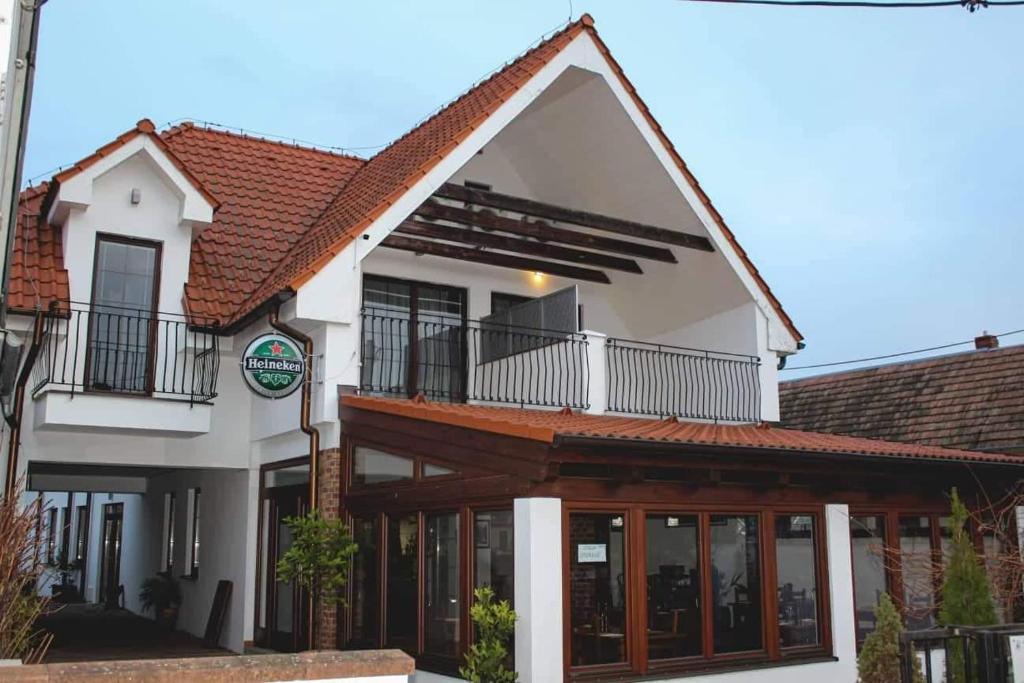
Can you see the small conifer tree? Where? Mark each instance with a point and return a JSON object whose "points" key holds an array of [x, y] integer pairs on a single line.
{"points": [[486, 661], [879, 660], [966, 593]]}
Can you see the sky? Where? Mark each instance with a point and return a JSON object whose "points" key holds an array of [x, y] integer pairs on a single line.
{"points": [[871, 162]]}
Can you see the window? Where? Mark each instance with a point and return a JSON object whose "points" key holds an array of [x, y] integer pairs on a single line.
{"points": [[493, 553], [82, 533], [736, 583], [124, 296], [436, 470], [916, 564], [371, 466], [402, 575], [193, 547], [673, 587], [51, 536], [867, 537], [365, 576], [441, 606], [502, 302], [796, 569], [168, 532], [597, 580]]}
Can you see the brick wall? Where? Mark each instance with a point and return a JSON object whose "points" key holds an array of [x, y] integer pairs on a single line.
{"points": [[329, 484]]}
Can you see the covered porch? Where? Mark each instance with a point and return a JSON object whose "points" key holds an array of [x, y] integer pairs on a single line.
{"points": [[628, 546]]}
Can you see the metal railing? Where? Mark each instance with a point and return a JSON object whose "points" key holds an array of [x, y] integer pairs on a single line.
{"points": [[108, 349], [976, 654], [662, 380], [447, 358]]}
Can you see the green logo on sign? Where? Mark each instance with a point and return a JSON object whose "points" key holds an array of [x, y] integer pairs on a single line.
{"points": [[273, 366]]}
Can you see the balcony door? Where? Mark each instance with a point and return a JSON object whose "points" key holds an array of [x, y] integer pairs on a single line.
{"points": [[122, 319], [414, 339]]}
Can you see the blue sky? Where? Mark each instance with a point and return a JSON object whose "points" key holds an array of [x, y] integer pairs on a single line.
{"points": [[870, 161]]}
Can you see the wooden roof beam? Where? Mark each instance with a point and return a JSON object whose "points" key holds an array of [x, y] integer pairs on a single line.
{"points": [[494, 259], [587, 219], [516, 246]]}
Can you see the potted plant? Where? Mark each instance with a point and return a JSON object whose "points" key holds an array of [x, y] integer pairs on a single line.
{"points": [[162, 594], [65, 591]]}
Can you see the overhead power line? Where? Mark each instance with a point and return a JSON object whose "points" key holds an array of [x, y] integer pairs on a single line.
{"points": [[896, 355], [970, 5]]}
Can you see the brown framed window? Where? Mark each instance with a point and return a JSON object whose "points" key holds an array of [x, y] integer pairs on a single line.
{"points": [[796, 573], [441, 603], [674, 584], [736, 583], [375, 467], [364, 605], [916, 558], [597, 587], [493, 553], [402, 595], [867, 541]]}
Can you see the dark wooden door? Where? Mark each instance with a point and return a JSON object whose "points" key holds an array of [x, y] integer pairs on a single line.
{"points": [[287, 604]]}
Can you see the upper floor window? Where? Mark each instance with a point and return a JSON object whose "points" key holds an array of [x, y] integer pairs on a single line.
{"points": [[124, 299]]}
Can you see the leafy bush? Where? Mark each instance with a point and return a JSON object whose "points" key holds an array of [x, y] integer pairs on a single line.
{"points": [[159, 592], [495, 625], [879, 659], [319, 556], [20, 604]]}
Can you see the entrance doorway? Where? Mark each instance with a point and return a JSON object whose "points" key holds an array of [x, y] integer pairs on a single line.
{"points": [[282, 609], [110, 560]]}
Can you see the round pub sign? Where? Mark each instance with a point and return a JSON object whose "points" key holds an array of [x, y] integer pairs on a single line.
{"points": [[273, 365]]}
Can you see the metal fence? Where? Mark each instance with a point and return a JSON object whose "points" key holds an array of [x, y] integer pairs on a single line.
{"points": [[967, 654], [450, 359], [125, 351], [663, 380]]}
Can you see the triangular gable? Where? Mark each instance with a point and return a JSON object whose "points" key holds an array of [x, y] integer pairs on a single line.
{"points": [[390, 175]]}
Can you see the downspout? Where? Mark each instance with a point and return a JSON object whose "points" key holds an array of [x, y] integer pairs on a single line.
{"points": [[14, 446], [308, 429]]}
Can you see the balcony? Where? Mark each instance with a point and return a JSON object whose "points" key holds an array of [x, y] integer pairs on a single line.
{"points": [[447, 358], [97, 361]]}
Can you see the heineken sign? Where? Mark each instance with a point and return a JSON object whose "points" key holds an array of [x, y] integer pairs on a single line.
{"points": [[273, 365]]}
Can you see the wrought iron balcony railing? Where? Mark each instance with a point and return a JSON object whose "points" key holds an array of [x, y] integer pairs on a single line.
{"points": [[108, 349], [662, 380], [447, 358]]}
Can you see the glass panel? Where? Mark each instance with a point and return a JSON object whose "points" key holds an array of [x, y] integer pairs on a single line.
{"points": [[867, 541], [796, 565], [286, 476], [441, 584], [195, 531], [365, 584], [673, 587], [440, 349], [597, 577], [285, 593], [403, 539], [122, 315], [435, 470], [736, 583], [1000, 572], [918, 580], [376, 467], [388, 309], [946, 538], [494, 555]]}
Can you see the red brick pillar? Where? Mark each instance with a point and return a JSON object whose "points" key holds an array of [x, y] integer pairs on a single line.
{"points": [[329, 483]]}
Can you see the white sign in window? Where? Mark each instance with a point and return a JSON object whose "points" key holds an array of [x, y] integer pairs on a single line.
{"points": [[591, 552]]}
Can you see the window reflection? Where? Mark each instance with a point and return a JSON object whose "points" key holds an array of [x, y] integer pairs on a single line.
{"points": [[402, 538], [796, 570], [867, 538], [916, 565], [597, 588], [673, 587], [735, 582], [441, 584], [493, 553], [371, 466], [365, 583]]}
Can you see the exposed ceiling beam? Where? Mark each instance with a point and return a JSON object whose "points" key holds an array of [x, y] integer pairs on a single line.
{"points": [[596, 221], [494, 259], [515, 245], [489, 220]]}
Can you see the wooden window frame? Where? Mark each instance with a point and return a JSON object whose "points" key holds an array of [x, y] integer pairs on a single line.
{"points": [[637, 661], [152, 352], [417, 461]]}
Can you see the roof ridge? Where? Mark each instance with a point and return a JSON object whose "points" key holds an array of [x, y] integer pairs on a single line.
{"points": [[290, 143]]}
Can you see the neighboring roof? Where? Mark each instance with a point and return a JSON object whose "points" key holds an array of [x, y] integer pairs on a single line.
{"points": [[38, 275], [969, 400], [328, 200], [552, 426]]}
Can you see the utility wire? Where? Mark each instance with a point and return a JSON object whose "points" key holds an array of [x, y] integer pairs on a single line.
{"points": [[897, 355], [970, 5]]}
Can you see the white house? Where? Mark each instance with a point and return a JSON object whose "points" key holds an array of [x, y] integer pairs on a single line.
{"points": [[536, 358]]}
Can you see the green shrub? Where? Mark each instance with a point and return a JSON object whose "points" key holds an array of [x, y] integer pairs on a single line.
{"points": [[879, 659], [495, 625], [319, 556]]}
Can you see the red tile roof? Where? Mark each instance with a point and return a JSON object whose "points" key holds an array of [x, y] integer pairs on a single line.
{"points": [[287, 211], [550, 426], [38, 275], [967, 400]]}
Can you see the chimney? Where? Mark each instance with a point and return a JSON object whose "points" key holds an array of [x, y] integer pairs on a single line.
{"points": [[986, 342]]}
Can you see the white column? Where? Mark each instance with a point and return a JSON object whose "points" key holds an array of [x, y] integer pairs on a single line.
{"points": [[538, 589], [597, 384], [840, 575]]}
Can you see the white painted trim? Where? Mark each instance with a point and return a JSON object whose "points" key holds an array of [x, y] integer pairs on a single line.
{"points": [[538, 588], [76, 192]]}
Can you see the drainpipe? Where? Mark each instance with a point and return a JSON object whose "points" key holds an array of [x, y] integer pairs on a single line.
{"points": [[310, 430], [14, 445]]}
